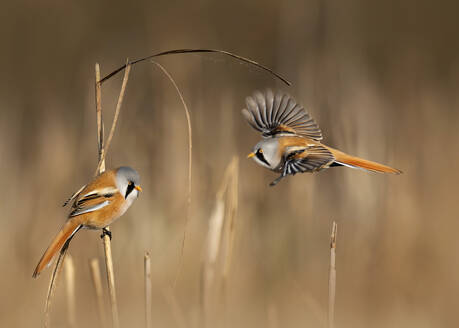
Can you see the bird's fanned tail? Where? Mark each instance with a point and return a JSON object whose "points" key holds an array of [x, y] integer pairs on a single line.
{"points": [[360, 163], [68, 230]]}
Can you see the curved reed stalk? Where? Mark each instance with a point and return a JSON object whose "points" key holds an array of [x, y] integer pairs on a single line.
{"points": [[190, 163], [184, 51]]}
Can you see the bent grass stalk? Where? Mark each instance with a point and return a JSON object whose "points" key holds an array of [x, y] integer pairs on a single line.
{"points": [[190, 162], [184, 51]]}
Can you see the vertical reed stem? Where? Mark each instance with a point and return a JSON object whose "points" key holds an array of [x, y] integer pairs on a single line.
{"points": [[147, 276], [332, 277], [97, 281], [111, 280], [70, 284], [106, 238]]}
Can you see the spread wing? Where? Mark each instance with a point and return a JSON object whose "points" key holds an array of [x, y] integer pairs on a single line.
{"points": [[273, 114], [92, 201]]}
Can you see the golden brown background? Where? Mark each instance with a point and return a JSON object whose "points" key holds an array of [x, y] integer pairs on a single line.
{"points": [[381, 79]]}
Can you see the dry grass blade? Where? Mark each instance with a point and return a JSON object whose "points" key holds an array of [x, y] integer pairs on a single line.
{"points": [[190, 163], [223, 216], [332, 277], [97, 281], [233, 205], [230, 227], [147, 277], [70, 284], [183, 51], [212, 250]]}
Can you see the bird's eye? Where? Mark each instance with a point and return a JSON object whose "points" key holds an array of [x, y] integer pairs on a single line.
{"points": [[260, 151]]}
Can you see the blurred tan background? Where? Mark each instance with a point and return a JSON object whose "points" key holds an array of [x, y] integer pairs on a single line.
{"points": [[380, 78]]}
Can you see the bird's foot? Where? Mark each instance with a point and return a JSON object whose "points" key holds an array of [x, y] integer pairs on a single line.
{"points": [[275, 182], [106, 232]]}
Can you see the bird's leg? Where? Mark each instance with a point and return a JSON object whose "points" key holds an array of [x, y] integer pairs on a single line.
{"points": [[106, 232], [283, 175], [275, 182]]}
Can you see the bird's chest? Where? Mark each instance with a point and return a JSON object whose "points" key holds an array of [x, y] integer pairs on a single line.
{"points": [[105, 216]]}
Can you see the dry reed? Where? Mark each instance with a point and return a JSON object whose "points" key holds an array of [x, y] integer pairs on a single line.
{"points": [[70, 286], [97, 282], [100, 168], [148, 289], [332, 277], [184, 51], [190, 163], [221, 227]]}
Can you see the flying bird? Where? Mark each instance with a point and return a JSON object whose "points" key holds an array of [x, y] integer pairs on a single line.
{"points": [[291, 141], [96, 206]]}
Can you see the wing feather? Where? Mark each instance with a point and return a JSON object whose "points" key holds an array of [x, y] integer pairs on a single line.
{"points": [[311, 159], [88, 209], [274, 114], [93, 200]]}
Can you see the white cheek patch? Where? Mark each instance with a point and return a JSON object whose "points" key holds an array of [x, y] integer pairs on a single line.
{"points": [[259, 162], [133, 195]]}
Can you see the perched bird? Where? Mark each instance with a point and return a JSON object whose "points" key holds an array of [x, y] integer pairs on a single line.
{"points": [[291, 139], [96, 206]]}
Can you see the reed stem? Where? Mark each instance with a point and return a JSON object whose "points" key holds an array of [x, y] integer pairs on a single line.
{"points": [[148, 290], [97, 281], [332, 277]]}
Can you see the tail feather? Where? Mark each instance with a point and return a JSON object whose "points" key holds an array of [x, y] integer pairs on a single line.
{"points": [[360, 163], [67, 231]]}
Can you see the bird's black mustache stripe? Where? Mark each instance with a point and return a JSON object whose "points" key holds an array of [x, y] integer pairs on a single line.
{"points": [[260, 156], [129, 189]]}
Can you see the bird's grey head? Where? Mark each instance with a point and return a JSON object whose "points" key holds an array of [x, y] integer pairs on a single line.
{"points": [[127, 182], [266, 153]]}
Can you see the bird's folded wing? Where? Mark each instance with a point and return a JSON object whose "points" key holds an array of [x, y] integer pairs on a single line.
{"points": [[74, 195], [93, 201], [311, 159], [274, 114]]}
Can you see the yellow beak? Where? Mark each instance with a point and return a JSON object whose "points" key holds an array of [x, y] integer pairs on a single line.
{"points": [[138, 188], [250, 155]]}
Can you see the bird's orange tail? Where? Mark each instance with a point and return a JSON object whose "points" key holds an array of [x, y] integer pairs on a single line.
{"points": [[67, 231], [360, 163]]}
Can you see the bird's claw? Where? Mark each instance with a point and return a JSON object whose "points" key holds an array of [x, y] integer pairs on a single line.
{"points": [[106, 232]]}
